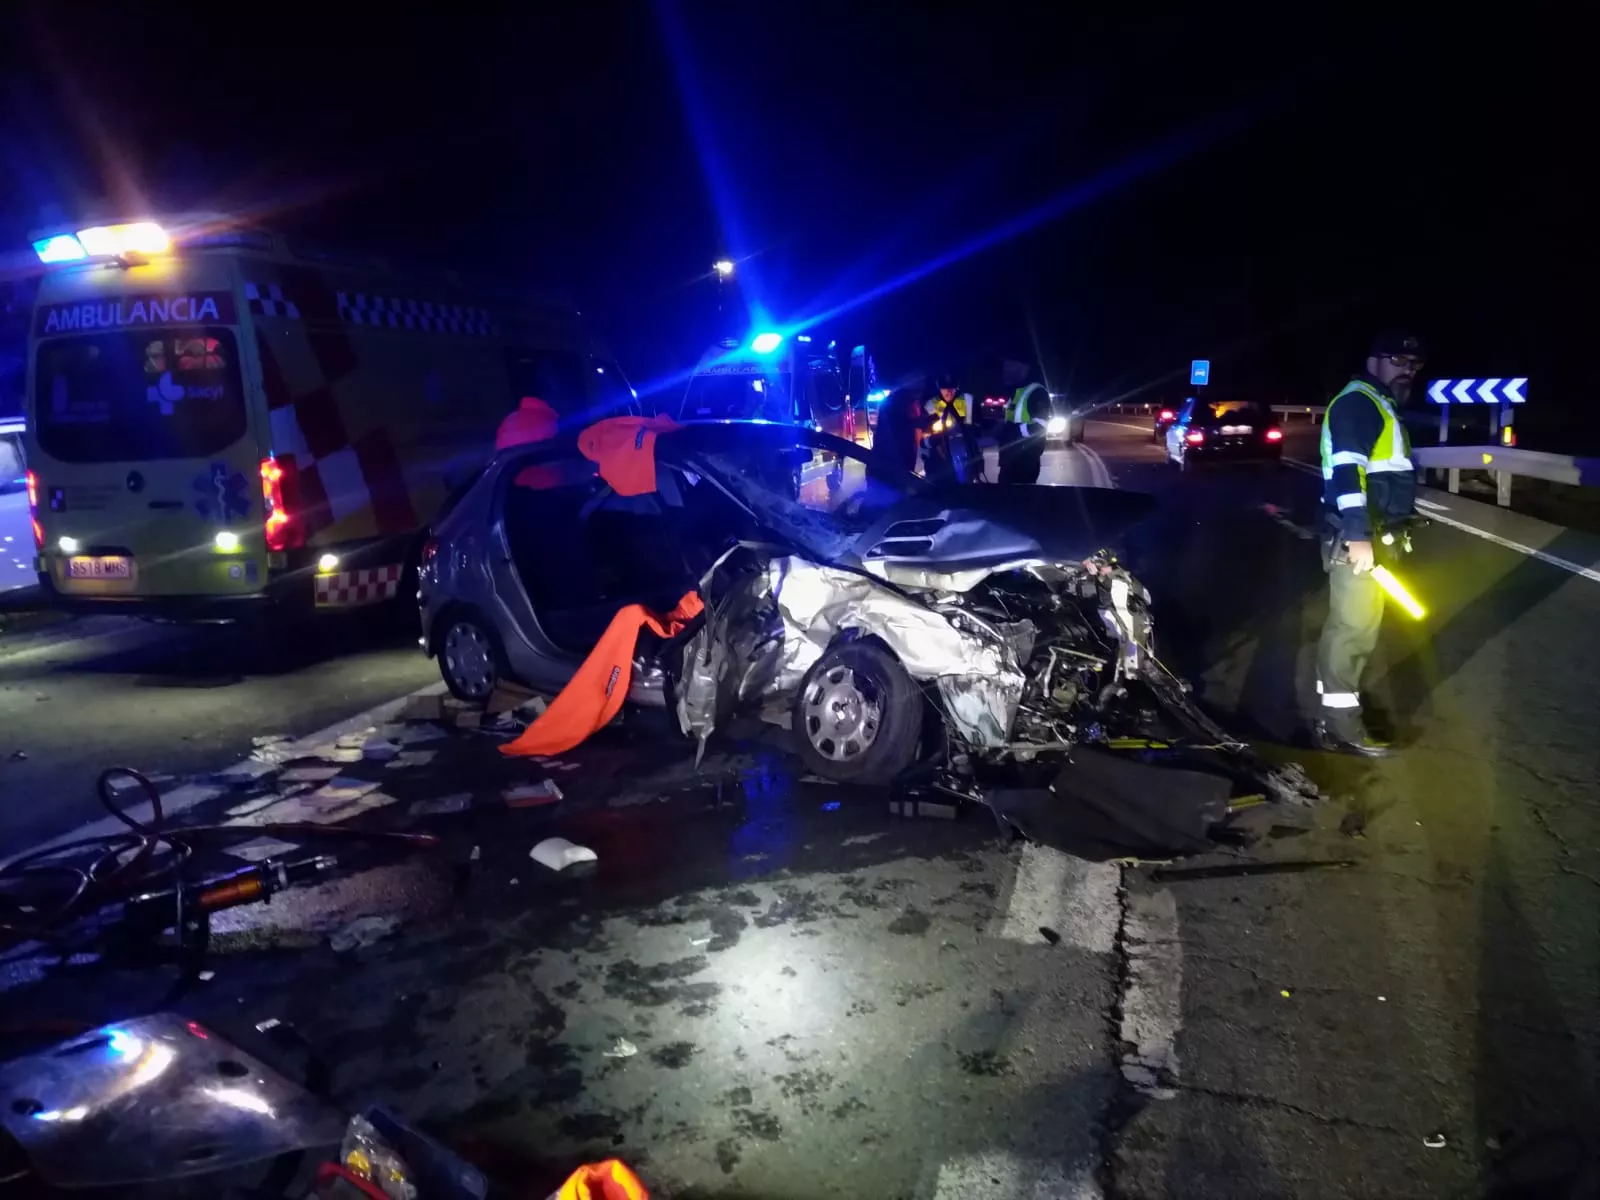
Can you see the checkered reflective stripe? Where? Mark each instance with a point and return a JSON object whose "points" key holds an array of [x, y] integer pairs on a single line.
{"points": [[268, 300], [370, 585], [387, 311]]}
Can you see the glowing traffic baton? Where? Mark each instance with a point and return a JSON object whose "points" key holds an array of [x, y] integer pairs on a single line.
{"points": [[1397, 592]]}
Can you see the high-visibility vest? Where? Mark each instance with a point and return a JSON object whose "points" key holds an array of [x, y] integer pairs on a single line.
{"points": [[1390, 455], [1017, 411], [957, 405]]}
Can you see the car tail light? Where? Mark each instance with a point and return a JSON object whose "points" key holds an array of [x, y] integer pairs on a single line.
{"points": [[280, 496], [33, 511], [1166, 415], [1194, 437], [1274, 435]]}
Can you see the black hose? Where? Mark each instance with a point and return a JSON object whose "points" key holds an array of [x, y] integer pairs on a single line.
{"points": [[124, 867]]}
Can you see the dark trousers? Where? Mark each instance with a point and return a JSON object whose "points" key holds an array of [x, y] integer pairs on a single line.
{"points": [[1355, 614], [1020, 458]]}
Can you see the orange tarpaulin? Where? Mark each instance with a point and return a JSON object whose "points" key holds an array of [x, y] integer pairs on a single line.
{"points": [[624, 448], [595, 694], [609, 1180]]}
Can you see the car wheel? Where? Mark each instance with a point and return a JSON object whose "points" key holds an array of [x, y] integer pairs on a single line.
{"points": [[469, 658], [857, 715]]}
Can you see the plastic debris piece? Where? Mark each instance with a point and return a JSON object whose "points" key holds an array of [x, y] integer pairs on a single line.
{"points": [[363, 931], [337, 754], [262, 848], [205, 976], [354, 741], [341, 790], [922, 808], [705, 941], [19, 756], [317, 774], [1285, 993], [532, 795], [455, 802], [558, 854], [1434, 1141], [379, 750], [621, 1048], [475, 855], [1383, 998]]}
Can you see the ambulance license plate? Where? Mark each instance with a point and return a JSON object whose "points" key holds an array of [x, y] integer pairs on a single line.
{"points": [[100, 566]]}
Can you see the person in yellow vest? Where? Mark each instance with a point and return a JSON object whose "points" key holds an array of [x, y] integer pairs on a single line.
{"points": [[1369, 486], [1021, 436]]}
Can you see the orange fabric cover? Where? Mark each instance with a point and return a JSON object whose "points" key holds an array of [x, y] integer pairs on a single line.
{"points": [[608, 1180], [624, 448], [596, 692], [533, 421]]}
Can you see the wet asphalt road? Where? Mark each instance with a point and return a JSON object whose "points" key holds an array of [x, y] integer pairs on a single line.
{"points": [[827, 1001]]}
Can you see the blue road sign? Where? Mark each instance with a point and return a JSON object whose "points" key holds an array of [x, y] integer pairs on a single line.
{"points": [[1200, 372], [1478, 391]]}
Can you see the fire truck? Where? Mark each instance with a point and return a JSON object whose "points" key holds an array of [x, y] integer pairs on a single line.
{"points": [[221, 420]]}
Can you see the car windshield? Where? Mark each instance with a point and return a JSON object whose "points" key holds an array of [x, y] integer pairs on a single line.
{"points": [[809, 489], [738, 397]]}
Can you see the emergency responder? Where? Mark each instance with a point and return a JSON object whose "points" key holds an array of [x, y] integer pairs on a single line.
{"points": [[1021, 435], [948, 417], [1369, 488], [894, 440]]}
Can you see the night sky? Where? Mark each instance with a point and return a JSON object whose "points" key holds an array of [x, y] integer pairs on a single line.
{"points": [[1112, 195]]}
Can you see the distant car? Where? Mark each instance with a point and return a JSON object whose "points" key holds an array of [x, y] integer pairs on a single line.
{"points": [[1164, 419], [1218, 431]]}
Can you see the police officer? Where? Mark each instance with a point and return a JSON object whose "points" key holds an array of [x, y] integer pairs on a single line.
{"points": [[1021, 437], [1369, 486]]}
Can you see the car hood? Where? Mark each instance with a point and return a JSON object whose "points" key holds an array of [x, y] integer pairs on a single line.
{"points": [[952, 537]]}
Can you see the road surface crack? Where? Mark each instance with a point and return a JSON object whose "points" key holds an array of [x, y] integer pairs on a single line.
{"points": [[1251, 1100], [1125, 1100]]}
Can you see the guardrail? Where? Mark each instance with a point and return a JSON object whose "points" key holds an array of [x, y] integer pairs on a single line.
{"points": [[1312, 411], [1505, 463]]}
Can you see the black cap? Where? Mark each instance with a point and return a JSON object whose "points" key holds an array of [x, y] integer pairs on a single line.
{"points": [[1395, 342]]}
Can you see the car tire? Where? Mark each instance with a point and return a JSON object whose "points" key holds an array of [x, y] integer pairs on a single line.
{"points": [[857, 715], [470, 659]]}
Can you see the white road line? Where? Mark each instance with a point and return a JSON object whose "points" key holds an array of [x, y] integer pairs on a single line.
{"points": [[1066, 895], [1152, 1003], [997, 1173], [1437, 512], [187, 796], [1097, 466]]}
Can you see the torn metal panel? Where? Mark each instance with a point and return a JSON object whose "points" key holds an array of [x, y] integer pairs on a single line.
{"points": [[818, 603], [735, 655], [981, 709]]}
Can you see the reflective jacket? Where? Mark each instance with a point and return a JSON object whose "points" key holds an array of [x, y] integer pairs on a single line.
{"points": [[1018, 409], [1367, 476]]}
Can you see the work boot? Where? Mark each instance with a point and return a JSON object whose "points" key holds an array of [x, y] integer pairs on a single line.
{"points": [[1348, 735]]}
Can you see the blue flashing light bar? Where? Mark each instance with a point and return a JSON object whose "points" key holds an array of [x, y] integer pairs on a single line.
{"points": [[804, 337], [63, 247], [766, 343]]}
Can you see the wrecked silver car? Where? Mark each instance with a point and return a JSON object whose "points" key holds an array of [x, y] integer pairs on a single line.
{"points": [[888, 622], [894, 621]]}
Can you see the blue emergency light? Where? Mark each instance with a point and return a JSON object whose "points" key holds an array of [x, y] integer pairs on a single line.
{"points": [[766, 343]]}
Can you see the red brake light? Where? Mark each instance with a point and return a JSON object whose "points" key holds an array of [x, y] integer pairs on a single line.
{"points": [[1166, 414], [430, 551], [280, 495], [1274, 435], [33, 491], [1194, 437]]}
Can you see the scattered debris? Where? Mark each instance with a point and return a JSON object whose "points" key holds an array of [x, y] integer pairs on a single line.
{"points": [[455, 802], [705, 941], [379, 750], [558, 854], [1354, 824], [1434, 1141], [273, 749], [422, 708], [337, 754], [205, 976], [1050, 935], [508, 696], [621, 1048], [19, 756], [1383, 998], [475, 855], [309, 774], [262, 848], [1285, 993], [918, 807], [532, 795], [363, 931], [412, 758], [341, 790]]}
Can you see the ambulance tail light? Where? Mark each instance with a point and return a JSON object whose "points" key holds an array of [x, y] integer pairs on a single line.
{"points": [[280, 498], [33, 511]]}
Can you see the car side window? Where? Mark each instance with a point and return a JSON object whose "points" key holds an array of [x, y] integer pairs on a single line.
{"points": [[634, 541], [542, 505]]}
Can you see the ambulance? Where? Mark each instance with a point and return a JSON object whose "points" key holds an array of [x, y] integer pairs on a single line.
{"points": [[222, 421]]}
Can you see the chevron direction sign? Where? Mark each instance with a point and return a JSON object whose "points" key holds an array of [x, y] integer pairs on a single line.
{"points": [[1478, 391]]}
